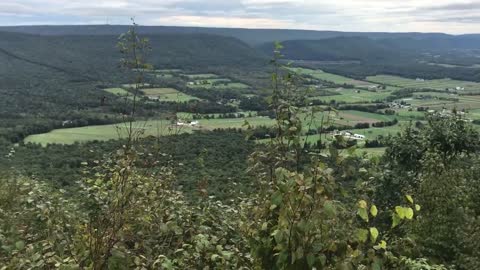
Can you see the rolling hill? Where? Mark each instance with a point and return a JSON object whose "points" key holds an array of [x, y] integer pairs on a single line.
{"points": [[250, 36]]}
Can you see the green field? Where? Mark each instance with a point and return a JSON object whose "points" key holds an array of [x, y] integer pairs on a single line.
{"points": [[373, 133], [164, 76], [148, 128], [405, 115], [100, 133], [167, 70], [118, 91], [132, 85], [440, 84], [201, 76], [319, 74], [167, 94], [437, 101], [218, 83], [351, 96]]}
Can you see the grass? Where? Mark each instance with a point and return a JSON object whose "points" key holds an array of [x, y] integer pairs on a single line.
{"points": [[117, 91], [132, 85], [406, 115], [167, 94], [321, 75], [201, 76], [149, 128], [351, 96], [373, 133], [439, 84], [100, 133], [433, 101], [164, 76], [218, 83], [167, 70]]}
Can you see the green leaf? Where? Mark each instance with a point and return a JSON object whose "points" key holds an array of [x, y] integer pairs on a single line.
{"points": [[277, 198], [19, 245], [409, 198], [362, 235], [310, 260], [329, 209], [395, 220], [400, 212], [362, 212], [377, 264], [373, 234], [362, 204], [381, 245], [409, 213], [417, 207], [373, 211]]}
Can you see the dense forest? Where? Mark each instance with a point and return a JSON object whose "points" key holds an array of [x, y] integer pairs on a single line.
{"points": [[217, 199], [409, 57]]}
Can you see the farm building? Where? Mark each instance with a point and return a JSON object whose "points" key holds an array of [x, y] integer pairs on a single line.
{"points": [[349, 135]]}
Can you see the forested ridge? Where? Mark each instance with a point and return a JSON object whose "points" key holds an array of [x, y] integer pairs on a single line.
{"points": [[218, 199]]}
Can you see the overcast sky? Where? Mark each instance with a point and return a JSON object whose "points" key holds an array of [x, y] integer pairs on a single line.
{"points": [[450, 16]]}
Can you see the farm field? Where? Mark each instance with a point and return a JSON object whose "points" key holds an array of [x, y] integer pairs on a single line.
{"points": [[149, 127], [218, 83], [201, 76], [164, 76], [132, 85], [406, 115], [167, 70], [373, 133], [321, 75], [437, 101], [117, 91], [439, 84], [342, 118], [167, 94], [352, 96], [189, 116], [100, 133], [163, 127]]}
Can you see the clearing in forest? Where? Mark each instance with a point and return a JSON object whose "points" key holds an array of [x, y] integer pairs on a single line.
{"points": [[419, 83], [329, 77], [167, 94]]}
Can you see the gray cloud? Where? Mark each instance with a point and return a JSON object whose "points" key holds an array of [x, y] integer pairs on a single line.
{"points": [[453, 7], [347, 15]]}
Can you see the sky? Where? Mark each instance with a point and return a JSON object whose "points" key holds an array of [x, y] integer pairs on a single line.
{"points": [[448, 16]]}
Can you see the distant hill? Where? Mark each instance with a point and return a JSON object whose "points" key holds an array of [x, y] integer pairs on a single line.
{"points": [[367, 49], [250, 36], [95, 57]]}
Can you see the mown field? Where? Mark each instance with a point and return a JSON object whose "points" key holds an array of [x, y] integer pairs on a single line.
{"points": [[147, 128], [167, 94], [164, 127], [440, 84], [321, 75], [352, 96]]}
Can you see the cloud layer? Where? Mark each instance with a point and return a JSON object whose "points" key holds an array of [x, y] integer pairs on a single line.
{"points": [[448, 16]]}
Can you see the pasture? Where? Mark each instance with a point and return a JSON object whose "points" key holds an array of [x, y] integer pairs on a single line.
{"points": [[329, 77], [435, 100], [117, 91], [147, 128], [201, 76], [216, 83], [167, 70], [353, 96], [101, 133], [439, 84], [167, 94]]}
